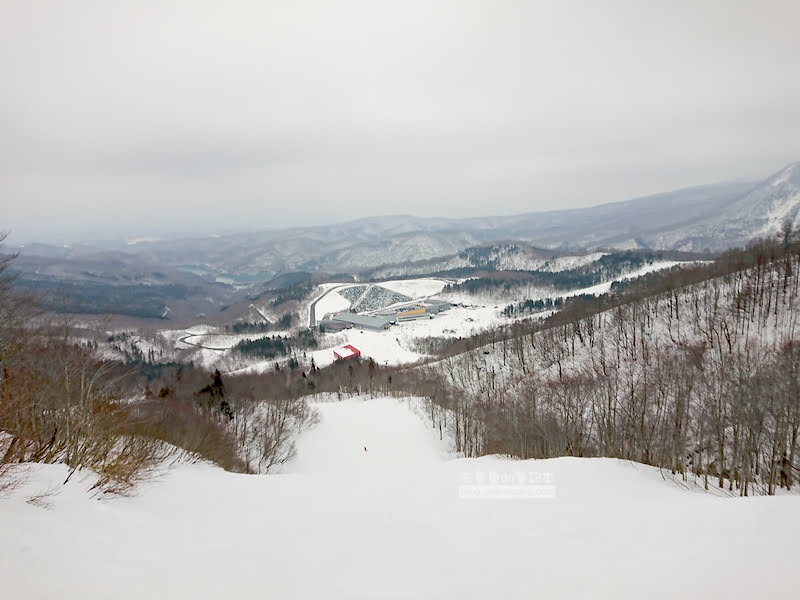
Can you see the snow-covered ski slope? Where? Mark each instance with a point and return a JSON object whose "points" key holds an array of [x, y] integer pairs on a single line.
{"points": [[389, 522]]}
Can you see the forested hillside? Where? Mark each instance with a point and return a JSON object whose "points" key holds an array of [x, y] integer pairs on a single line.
{"points": [[62, 401], [694, 369], [701, 379]]}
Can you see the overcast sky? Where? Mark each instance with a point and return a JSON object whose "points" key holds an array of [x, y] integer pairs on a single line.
{"points": [[137, 116]]}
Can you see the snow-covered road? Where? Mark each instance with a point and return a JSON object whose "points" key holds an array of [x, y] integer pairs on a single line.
{"points": [[389, 523]]}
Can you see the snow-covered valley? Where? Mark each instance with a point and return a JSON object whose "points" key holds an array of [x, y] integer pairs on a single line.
{"points": [[470, 314], [399, 300], [406, 498]]}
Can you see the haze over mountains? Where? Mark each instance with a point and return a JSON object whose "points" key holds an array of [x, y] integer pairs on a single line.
{"points": [[711, 217]]}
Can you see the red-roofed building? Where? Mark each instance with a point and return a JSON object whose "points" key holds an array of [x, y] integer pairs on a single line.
{"points": [[346, 352]]}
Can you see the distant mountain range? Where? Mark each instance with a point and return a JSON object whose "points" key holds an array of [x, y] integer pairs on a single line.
{"points": [[711, 217]]}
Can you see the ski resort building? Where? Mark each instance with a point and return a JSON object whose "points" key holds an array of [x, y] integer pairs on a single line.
{"points": [[422, 310], [346, 352], [412, 315], [434, 308], [377, 323], [329, 325]]}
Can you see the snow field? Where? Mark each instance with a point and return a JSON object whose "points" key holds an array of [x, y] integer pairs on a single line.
{"points": [[389, 522], [455, 322]]}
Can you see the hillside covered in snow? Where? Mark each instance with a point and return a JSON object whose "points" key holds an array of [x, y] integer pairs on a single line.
{"points": [[375, 505], [701, 379]]}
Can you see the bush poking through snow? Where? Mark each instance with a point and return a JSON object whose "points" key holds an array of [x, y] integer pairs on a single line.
{"points": [[62, 405]]}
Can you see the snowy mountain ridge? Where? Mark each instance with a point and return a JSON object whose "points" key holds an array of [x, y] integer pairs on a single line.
{"points": [[758, 213], [712, 217]]}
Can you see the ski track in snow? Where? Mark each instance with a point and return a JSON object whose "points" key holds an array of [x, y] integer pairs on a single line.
{"points": [[389, 523]]}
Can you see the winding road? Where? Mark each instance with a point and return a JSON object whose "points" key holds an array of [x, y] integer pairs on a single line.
{"points": [[312, 311], [191, 335]]}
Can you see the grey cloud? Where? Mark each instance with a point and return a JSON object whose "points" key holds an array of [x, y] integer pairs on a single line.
{"points": [[276, 113]]}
